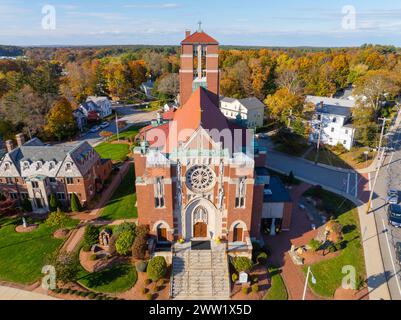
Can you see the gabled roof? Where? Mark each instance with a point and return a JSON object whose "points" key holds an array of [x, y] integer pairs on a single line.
{"points": [[199, 37]]}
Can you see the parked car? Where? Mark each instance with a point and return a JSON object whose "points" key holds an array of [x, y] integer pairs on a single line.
{"points": [[392, 196], [394, 215], [94, 129], [104, 125], [398, 251]]}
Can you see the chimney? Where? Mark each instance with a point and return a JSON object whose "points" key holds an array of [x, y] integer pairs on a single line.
{"points": [[9, 145], [187, 33], [20, 139]]}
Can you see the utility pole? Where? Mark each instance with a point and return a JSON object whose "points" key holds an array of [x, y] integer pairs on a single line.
{"points": [[380, 164], [117, 131], [313, 279]]}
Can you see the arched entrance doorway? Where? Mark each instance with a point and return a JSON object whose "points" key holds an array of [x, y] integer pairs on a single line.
{"points": [[200, 230]]}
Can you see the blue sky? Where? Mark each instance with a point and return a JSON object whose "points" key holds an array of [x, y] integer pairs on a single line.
{"points": [[235, 22]]}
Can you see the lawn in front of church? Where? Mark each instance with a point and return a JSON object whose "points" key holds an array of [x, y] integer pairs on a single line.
{"points": [[122, 203], [23, 255]]}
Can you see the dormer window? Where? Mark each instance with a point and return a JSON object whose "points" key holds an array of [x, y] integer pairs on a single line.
{"points": [[25, 165], [38, 165], [334, 120], [52, 165]]}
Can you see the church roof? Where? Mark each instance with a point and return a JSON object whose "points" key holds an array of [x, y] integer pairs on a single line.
{"points": [[198, 111], [199, 37]]}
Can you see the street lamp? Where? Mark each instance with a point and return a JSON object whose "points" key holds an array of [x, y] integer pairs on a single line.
{"points": [[313, 279]]}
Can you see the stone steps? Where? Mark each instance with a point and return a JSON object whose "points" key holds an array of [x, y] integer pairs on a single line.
{"points": [[200, 275]]}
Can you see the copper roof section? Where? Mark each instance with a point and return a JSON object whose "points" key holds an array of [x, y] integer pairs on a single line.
{"points": [[199, 37]]}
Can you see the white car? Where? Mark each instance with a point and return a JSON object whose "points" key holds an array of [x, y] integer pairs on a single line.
{"points": [[392, 196], [104, 125]]}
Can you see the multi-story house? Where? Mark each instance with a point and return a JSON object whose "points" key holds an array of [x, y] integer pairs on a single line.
{"points": [[332, 120], [96, 108], [251, 110], [34, 171]]}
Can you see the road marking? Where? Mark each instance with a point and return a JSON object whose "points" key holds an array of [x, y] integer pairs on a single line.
{"points": [[391, 257], [349, 175], [356, 185]]}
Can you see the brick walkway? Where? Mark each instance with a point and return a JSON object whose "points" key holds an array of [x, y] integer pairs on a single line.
{"points": [[281, 244], [76, 236]]}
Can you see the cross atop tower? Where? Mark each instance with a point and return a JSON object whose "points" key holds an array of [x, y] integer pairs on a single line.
{"points": [[200, 26]]}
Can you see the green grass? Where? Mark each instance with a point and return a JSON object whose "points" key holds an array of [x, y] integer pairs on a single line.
{"points": [[119, 278], [277, 291], [115, 152], [127, 134], [22, 255], [122, 203], [328, 273]]}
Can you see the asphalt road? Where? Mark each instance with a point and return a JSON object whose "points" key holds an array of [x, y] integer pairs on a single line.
{"points": [[389, 177], [128, 114]]}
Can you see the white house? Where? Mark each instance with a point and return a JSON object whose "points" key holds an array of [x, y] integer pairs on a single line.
{"points": [[147, 88], [333, 119], [250, 109], [96, 107]]}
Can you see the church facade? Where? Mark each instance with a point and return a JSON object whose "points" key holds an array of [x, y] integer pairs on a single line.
{"points": [[200, 176]]}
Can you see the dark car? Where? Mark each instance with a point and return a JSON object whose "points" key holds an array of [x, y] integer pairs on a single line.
{"points": [[398, 252], [394, 215]]}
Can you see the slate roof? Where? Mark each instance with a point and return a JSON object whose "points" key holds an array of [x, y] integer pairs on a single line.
{"points": [[279, 192]]}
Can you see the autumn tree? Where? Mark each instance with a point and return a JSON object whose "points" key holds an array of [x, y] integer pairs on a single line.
{"points": [[282, 103], [170, 84], [137, 72], [60, 120]]}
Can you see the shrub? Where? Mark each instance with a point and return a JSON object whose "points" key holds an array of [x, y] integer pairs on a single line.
{"points": [[57, 290], [125, 227], [75, 203], [157, 268], [332, 248], [156, 288], [242, 264], [160, 282], [149, 296], [64, 291], [148, 281], [234, 277], [141, 266], [57, 219], [67, 267], [91, 236], [124, 243], [26, 204], [145, 290], [262, 258], [255, 288], [140, 243], [142, 231], [91, 295], [244, 290], [314, 244], [255, 279], [93, 257], [54, 204]]}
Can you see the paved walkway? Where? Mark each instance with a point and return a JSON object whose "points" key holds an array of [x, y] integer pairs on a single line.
{"points": [[8, 293], [75, 238]]}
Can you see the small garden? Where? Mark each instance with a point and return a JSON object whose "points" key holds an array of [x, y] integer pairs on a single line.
{"points": [[112, 262], [261, 283], [122, 203], [335, 245]]}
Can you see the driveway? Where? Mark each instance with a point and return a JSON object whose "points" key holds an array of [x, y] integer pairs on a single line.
{"points": [[8, 293]]}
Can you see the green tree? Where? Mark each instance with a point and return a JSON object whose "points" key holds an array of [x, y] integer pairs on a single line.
{"points": [[157, 268], [75, 203], [26, 205], [91, 237], [67, 267], [124, 242], [60, 120], [57, 219], [242, 264], [54, 204]]}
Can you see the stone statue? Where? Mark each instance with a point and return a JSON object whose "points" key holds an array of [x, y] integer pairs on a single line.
{"points": [[24, 222], [221, 169], [221, 197], [242, 187]]}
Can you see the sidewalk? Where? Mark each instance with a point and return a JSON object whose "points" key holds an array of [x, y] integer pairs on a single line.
{"points": [[8, 293], [377, 282]]}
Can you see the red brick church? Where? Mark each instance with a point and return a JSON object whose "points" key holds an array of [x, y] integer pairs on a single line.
{"points": [[200, 176]]}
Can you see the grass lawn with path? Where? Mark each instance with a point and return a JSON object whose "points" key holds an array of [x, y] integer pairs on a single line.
{"points": [[122, 203], [22, 255], [126, 134], [118, 278], [277, 291], [115, 152], [328, 273]]}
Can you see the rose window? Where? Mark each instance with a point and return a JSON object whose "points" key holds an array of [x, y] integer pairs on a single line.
{"points": [[200, 178]]}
